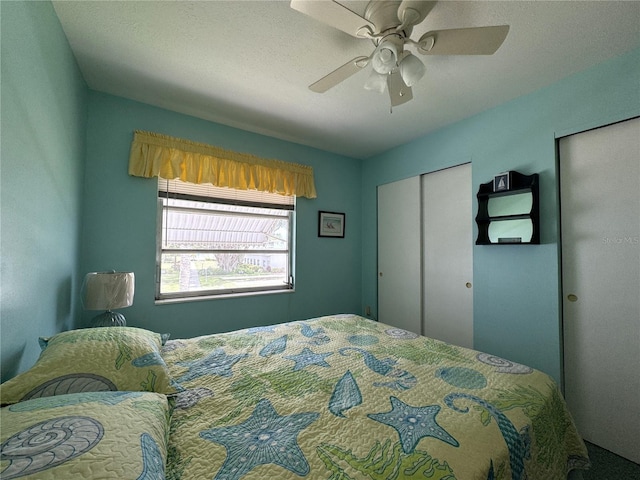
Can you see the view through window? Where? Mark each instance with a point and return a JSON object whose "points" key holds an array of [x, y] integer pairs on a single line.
{"points": [[213, 240]]}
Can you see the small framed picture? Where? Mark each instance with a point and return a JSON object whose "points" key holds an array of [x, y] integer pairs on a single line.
{"points": [[331, 224], [502, 182]]}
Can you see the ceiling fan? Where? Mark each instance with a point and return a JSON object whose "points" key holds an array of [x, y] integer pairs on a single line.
{"points": [[389, 24]]}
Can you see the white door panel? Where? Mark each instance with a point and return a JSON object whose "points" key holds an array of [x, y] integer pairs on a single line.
{"points": [[425, 262], [600, 221], [399, 250], [448, 255]]}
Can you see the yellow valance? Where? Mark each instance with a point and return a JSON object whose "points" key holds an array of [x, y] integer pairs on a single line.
{"points": [[153, 154]]}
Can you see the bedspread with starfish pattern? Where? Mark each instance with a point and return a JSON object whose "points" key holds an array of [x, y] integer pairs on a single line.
{"points": [[344, 397]]}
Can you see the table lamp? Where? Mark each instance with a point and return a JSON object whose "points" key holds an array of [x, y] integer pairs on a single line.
{"points": [[108, 291]]}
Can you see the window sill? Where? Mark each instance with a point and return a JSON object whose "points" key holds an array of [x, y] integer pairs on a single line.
{"points": [[168, 301]]}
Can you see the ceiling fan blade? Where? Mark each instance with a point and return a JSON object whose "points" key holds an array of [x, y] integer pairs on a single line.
{"points": [[399, 93], [335, 15], [413, 12], [339, 74], [463, 41]]}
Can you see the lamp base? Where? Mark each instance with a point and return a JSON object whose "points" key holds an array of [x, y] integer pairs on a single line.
{"points": [[109, 319]]}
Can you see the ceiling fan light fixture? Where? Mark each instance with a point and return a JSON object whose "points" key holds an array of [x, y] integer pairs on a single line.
{"points": [[385, 58], [376, 82], [411, 70], [389, 26]]}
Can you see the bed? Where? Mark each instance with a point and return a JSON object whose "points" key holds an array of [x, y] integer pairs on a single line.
{"points": [[335, 397]]}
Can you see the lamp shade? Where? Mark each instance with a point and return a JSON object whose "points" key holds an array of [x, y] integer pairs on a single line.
{"points": [[411, 70], [384, 58], [376, 82], [108, 290]]}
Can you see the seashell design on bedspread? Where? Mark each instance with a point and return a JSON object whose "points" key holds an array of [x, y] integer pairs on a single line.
{"points": [[344, 397], [48, 444], [72, 383], [503, 365], [400, 334], [89, 435], [66, 400], [462, 377]]}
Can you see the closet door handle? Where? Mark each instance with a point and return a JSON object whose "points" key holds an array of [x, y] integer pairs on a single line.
{"points": [[572, 298]]}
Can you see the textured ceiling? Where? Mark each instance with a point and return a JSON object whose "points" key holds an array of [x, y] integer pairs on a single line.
{"points": [[248, 64]]}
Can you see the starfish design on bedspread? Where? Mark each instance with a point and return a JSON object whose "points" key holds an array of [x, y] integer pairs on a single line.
{"points": [[308, 357], [264, 438], [216, 363], [413, 424]]}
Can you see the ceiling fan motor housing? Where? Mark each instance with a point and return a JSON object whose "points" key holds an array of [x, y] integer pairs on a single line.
{"points": [[384, 16]]}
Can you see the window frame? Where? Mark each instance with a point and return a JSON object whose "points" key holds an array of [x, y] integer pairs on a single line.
{"points": [[205, 294]]}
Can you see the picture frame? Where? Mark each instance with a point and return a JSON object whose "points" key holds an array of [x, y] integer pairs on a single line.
{"points": [[502, 182], [331, 224]]}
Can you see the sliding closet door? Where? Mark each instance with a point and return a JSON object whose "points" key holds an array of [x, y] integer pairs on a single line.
{"points": [[600, 204], [448, 255], [399, 250]]}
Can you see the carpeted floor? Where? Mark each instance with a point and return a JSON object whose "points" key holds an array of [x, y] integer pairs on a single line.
{"points": [[609, 466]]}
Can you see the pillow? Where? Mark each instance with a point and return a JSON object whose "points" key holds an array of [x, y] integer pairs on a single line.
{"points": [[44, 341], [93, 359], [119, 435]]}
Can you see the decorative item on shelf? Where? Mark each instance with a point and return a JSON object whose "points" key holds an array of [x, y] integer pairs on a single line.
{"points": [[331, 224], [508, 210], [502, 182], [108, 291]]}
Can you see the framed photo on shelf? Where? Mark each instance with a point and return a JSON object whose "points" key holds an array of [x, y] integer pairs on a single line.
{"points": [[331, 224], [502, 182]]}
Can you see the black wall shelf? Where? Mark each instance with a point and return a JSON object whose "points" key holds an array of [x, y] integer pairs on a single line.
{"points": [[509, 184]]}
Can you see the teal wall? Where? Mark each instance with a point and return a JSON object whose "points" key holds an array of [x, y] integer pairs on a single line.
{"points": [[43, 134], [517, 304], [69, 207], [119, 223]]}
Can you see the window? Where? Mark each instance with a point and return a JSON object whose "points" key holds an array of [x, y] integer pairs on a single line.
{"points": [[215, 241]]}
